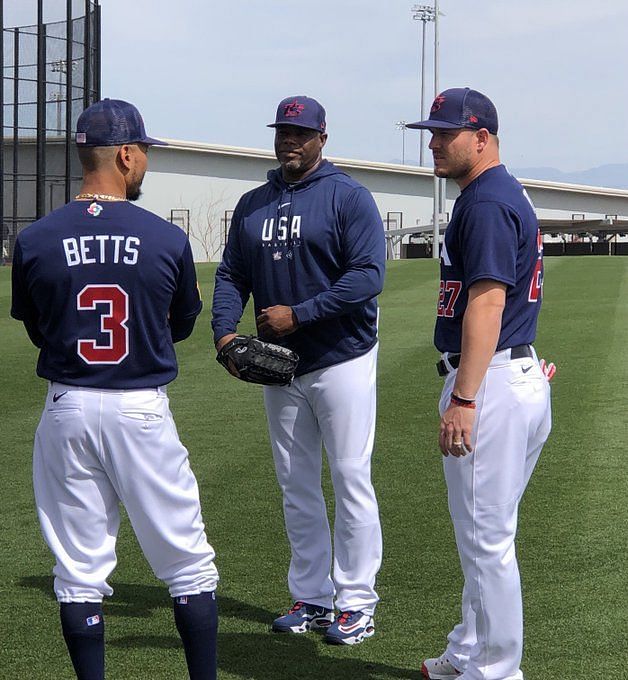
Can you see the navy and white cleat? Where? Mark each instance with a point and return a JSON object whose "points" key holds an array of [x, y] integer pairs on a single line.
{"points": [[350, 628], [302, 618]]}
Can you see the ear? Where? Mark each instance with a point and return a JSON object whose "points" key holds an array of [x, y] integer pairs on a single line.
{"points": [[482, 137], [124, 157], [323, 139]]}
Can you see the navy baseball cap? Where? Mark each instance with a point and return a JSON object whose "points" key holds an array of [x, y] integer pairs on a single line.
{"points": [[112, 122], [300, 111], [460, 107]]}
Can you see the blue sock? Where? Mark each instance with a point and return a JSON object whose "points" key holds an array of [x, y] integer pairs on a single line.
{"points": [[196, 617], [83, 628]]}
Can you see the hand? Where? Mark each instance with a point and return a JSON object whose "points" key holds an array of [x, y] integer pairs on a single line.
{"points": [[276, 321], [456, 426], [549, 370], [220, 343]]}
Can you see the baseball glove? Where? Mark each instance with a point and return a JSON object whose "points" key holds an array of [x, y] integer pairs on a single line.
{"points": [[257, 361]]}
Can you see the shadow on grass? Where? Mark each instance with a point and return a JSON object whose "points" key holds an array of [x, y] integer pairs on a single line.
{"points": [[139, 601], [284, 657], [251, 656]]}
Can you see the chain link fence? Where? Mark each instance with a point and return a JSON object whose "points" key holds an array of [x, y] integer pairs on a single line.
{"points": [[50, 73]]}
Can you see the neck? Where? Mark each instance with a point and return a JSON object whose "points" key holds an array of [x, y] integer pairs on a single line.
{"points": [[476, 171], [100, 183]]}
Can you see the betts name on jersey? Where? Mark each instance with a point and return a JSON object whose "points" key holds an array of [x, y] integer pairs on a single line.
{"points": [[104, 288]]}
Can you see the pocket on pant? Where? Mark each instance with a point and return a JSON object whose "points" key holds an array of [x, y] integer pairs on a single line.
{"points": [[64, 402], [146, 416]]}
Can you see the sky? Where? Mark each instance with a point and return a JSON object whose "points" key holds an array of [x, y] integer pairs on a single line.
{"points": [[214, 71]]}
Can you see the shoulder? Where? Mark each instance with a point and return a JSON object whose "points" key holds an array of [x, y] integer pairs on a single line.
{"points": [[140, 217], [256, 196], [39, 229], [499, 188], [341, 179]]}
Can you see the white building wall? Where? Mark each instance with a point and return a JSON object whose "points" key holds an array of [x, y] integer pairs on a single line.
{"points": [[207, 180]]}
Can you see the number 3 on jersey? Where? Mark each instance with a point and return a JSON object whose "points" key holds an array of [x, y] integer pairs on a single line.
{"points": [[112, 324]]}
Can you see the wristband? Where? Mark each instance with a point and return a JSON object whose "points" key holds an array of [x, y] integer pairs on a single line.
{"points": [[459, 401]]}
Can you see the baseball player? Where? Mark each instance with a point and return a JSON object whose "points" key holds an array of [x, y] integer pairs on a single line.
{"points": [[495, 404], [104, 289], [309, 246]]}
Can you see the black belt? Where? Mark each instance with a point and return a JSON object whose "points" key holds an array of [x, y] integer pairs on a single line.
{"points": [[518, 352]]}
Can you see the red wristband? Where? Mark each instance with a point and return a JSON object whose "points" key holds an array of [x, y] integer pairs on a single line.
{"points": [[459, 401]]}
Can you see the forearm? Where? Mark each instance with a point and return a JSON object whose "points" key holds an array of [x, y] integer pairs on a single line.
{"points": [[480, 334], [350, 291], [230, 298]]}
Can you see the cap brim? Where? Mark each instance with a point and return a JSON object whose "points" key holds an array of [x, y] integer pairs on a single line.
{"points": [[307, 127], [429, 124], [153, 142]]}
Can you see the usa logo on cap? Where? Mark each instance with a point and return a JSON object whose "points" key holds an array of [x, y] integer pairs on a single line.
{"points": [[293, 109]]}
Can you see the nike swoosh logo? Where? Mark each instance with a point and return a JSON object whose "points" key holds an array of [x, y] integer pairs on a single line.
{"points": [[525, 369], [56, 397]]}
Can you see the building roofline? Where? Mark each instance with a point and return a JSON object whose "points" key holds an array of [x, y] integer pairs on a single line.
{"points": [[220, 149], [352, 163]]}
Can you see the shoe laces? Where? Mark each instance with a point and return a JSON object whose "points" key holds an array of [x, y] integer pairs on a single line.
{"points": [[344, 617], [295, 607]]}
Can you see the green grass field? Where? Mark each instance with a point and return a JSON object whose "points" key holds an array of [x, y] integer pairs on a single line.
{"points": [[572, 535]]}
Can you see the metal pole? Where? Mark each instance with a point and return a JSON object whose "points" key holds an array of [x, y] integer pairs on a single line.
{"points": [[97, 57], [40, 197], [16, 121], [421, 142], [436, 217], [2, 134], [87, 58], [69, 34], [403, 145]]}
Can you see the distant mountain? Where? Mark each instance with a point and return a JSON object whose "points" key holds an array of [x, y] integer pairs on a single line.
{"points": [[614, 175]]}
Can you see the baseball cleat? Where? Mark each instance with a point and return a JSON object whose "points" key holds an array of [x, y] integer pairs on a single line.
{"points": [[303, 617], [439, 669], [350, 628]]}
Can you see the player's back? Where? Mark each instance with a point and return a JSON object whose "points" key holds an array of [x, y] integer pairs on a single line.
{"points": [[100, 280]]}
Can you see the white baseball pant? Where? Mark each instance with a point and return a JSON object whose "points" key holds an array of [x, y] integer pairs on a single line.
{"points": [[334, 407], [513, 420], [95, 448]]}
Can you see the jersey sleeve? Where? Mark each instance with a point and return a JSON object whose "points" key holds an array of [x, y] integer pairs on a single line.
{"points": [[488, 242], [364, 247], [186, 303], [232, 286], [22, 306]]}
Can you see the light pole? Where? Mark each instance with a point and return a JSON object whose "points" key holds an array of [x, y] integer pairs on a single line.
{"points": [[423, 13], [437, 184], [61, 67], [401, 125]]}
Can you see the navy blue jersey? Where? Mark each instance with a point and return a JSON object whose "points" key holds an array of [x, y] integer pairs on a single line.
{"points": [[493, 234], [317, 246], [104, 289]]}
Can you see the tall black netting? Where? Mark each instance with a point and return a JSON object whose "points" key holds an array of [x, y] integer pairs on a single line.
{"points": [[50, 73]]}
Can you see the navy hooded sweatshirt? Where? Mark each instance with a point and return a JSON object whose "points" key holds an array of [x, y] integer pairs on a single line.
{"points": [[317, 246]]}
